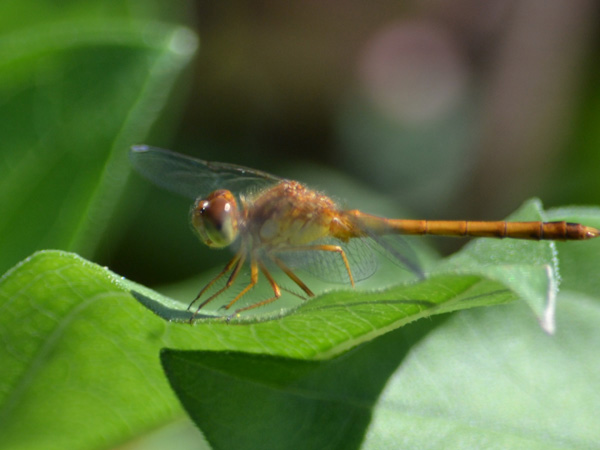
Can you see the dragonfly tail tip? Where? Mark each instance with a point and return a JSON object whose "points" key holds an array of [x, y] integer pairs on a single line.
{"points": [[591, 232]]}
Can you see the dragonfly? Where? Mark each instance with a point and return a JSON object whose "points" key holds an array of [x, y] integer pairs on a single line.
{"points": [[282, 224]]}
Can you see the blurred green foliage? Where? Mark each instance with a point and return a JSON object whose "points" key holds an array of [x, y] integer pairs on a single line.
{"points": [[75, 94]]}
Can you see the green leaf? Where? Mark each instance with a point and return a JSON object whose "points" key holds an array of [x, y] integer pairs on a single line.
{"points": [[487, 379], [258, 401], [75, 95], [478, 379], [337, 321], [79, 357]]}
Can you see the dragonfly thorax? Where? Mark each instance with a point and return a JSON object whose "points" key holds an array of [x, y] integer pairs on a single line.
{"points": [[216, 218], [290, 215]]}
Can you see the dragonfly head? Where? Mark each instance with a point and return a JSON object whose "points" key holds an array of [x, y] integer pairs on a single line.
{"points": [[215, 218]]}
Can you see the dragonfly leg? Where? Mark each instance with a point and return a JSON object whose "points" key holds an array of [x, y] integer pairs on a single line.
{"points": [[253, 281], [237, 265], [291, 275], [226, 269], [274, 286]]}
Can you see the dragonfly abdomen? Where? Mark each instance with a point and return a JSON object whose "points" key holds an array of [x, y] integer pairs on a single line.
{"points": [[496, 229], [560, 231]]}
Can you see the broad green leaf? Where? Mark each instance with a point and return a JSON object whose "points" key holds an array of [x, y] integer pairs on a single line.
{"points": [[487, 379], [79, 357], [478, 379], [258, 401], [337, 321], [75, 95]]}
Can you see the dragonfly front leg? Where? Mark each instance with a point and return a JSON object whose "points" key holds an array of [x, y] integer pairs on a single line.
{"points": [[235, 261], [239, 262]]}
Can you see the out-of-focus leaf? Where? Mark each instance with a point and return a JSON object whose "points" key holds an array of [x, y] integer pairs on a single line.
{"points": [[487, 379], [75, 95], [79, 357]]}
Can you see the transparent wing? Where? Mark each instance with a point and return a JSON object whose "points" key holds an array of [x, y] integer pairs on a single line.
{"points": [[192, 177], [396, 249], [361, 254], [329, 266]]}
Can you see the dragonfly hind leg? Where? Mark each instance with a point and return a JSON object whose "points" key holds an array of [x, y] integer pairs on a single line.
{"points": [[291, 275]]}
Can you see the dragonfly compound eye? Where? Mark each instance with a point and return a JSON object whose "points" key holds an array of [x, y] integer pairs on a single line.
{"points": [[215, 219]]}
